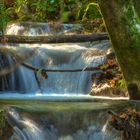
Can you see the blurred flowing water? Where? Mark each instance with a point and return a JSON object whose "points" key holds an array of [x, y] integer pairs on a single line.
{"points": [[61, 125], [56, 123], [55, 56]]}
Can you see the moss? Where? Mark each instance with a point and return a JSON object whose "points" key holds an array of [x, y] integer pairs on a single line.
{"points": [[2, 119], [4, 127]]}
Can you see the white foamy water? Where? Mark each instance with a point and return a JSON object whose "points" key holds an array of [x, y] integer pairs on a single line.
{"points": [[62, 56]]}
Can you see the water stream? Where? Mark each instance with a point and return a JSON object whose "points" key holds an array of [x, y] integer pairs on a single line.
{"points": [[56, 123], [61, 125], [55, 56]]}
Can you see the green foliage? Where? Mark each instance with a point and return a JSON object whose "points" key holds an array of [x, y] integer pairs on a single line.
{"points": [[132, 14], [19, 11], [92, 11], [121, 83], [2, 119], [4, 18], [44, 10]]}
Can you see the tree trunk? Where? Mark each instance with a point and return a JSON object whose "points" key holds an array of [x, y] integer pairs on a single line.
{"points": [[54, 38], [122, 19]]}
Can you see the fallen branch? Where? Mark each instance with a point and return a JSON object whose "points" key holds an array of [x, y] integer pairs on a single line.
{"points": [[53, 38], [68, 70]]}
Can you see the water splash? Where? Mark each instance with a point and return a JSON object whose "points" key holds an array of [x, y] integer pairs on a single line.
{"points": [[34, 29], [56, 56], [62, 125]]}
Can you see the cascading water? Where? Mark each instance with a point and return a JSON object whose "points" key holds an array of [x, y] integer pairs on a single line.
{"points": [[61, 125], [57, 56], [64, 120]]}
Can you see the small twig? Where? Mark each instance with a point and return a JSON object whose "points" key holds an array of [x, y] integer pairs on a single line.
{"points": [[68, 70]]}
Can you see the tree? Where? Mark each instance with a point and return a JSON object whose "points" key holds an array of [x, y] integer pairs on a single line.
{"points": [[122, 19]]}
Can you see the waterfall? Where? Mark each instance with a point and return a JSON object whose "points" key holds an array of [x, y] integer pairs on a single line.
{"points": [[72, 117], [7, 81], [56, 56], [61, 125]]}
